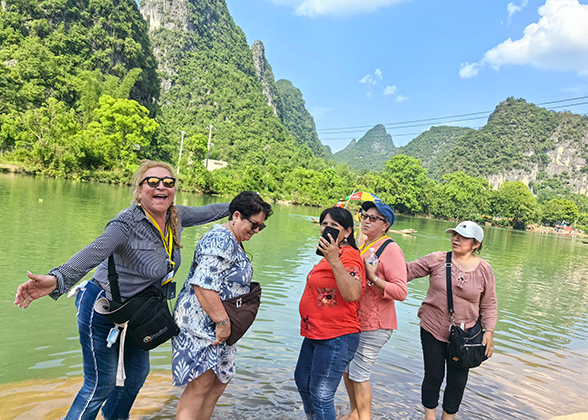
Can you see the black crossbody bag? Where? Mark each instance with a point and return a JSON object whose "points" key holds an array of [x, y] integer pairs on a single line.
{"points": [[465, 349], [146, 315]]}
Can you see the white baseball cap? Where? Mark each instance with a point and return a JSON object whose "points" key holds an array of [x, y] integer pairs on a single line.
{"points": [[468, 229]]}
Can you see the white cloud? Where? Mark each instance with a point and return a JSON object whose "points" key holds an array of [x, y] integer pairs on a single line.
{"points": [[467, 70], [558, 41], [314, 8], [401, 98], [512, 9], [390, 90], [369, 79]]}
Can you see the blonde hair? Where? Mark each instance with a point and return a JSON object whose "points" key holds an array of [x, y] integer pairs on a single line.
{"points": [[139, 175]]}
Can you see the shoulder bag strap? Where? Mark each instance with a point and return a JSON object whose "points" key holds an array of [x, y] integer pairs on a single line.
{"points": [[113, 280], [382, 247], [449, 290]]}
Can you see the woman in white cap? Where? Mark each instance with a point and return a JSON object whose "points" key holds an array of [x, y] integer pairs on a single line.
{"points": [[474, 297], [377, 315]]}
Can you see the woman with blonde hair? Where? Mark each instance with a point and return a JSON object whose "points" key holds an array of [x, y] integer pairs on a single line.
{"points": [[144, 240]]}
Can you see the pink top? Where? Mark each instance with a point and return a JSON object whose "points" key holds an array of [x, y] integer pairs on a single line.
{"points": [[474, 295], [376, 308]]}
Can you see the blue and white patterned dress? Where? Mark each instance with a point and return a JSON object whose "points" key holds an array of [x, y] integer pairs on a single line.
{"points": [[222, 267]]}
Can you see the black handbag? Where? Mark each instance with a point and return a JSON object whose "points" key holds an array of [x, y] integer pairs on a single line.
{"points": [[147, 316], [242, 311], [465, 349]]}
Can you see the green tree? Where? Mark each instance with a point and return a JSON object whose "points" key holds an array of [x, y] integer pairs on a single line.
{"points": [[400, 184], [121, 127], [514, 202], [560, 211], [43, 137]]}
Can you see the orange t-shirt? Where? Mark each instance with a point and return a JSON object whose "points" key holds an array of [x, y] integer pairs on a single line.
{"points": [[323, 311]]}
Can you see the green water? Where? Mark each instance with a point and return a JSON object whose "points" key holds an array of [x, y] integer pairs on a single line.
{"points": [[540, 369]]}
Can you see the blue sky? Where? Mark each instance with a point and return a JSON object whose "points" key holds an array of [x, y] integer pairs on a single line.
{"points": [[360, 63]]}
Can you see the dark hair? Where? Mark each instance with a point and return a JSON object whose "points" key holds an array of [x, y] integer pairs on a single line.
{"points": [[344, 218], [478, 249], [249, 203]]}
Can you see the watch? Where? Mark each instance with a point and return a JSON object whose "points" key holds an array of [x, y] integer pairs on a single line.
{"points": [[223, 322]]}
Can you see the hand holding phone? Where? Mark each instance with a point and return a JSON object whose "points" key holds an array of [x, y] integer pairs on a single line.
{"points": [[334, 233]]}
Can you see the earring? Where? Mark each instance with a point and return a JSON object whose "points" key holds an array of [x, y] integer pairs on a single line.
{"points": [[233, 223], [345, 239]]}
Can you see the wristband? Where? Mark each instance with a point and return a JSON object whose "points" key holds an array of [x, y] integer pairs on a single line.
{"points": [[222, 323]]}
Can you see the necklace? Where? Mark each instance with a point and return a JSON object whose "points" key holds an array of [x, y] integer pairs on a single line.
{"points": [[235, 236], [368, 245]]}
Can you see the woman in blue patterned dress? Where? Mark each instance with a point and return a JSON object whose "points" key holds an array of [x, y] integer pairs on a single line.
{"points": [[221, 270]]}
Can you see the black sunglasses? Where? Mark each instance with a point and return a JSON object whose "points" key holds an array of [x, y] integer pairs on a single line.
{"points": [[260, 226], [153, 181], [372, 218]]}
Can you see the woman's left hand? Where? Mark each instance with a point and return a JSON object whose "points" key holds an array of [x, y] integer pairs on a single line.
{"points": [[488, 341], [222, 333], [330, 249]]}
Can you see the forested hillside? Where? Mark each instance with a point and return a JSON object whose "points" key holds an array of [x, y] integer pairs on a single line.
{"points": [[209, 78], [370, 152], [57, 59], [432, 146], [517, 136], [298, 120], [89, 88]]}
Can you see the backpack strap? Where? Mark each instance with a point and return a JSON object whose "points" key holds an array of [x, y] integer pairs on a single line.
{"points": [[113, 280], [448, 266], [383, 246]]}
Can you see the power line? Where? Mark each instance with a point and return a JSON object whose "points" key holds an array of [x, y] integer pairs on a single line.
{"points": [[430, 120], [342, 130]]}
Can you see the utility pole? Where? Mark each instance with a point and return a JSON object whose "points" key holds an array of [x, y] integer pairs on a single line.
{"points": [[208, 148], [180, 157]]}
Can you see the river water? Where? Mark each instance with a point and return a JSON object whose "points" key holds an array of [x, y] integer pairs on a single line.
{"points": [[540, 368]]}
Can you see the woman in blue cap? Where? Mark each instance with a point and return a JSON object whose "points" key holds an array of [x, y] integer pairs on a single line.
{"points": [[386, 280]]}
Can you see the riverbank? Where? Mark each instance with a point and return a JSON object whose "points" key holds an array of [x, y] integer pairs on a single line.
{"points": [[50, 400], [561, 231], [118, 178]]}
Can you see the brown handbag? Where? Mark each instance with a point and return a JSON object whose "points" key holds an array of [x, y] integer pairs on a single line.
{"points": [[242, 311]]}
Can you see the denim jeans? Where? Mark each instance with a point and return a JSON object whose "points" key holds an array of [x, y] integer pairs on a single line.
{"points": [[319, 370], [100, 363]]}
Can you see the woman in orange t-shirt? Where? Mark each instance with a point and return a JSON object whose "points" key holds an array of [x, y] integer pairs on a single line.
{"points": [[328, 312]]}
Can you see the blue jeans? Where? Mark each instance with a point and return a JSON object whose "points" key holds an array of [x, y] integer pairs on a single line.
{"points": [[319, 370], [100, 363]]}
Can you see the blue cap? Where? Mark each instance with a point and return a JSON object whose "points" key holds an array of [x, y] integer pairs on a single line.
{"points": [[384, 209]]}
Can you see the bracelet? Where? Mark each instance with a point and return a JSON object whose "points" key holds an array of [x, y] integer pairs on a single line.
{"points": [[222, 323], [490, 331]]}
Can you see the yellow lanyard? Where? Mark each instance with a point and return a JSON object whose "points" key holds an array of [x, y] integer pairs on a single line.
{"points": [[168, 246], [365, 247]]}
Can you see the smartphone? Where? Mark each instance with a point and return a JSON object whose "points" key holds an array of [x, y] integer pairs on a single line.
{"points": [[334, 233]]}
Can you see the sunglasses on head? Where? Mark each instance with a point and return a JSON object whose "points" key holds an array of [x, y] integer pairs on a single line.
{"points": [[372, 218], [260, 226], [153, 181]]}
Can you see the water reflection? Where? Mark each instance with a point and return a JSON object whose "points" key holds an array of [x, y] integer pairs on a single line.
{"points": [[540, 369]]}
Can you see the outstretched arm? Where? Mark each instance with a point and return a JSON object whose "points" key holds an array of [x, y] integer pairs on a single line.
{"points": [[37, 286]]}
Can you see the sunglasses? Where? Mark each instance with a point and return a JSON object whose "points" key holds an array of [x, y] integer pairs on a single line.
{"points": [[260, 226], [153, 181], [372, 218]]}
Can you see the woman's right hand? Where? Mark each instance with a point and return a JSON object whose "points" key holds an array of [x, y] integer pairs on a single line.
{"points": [[371, 271], [37, 286], [222, 333]]}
